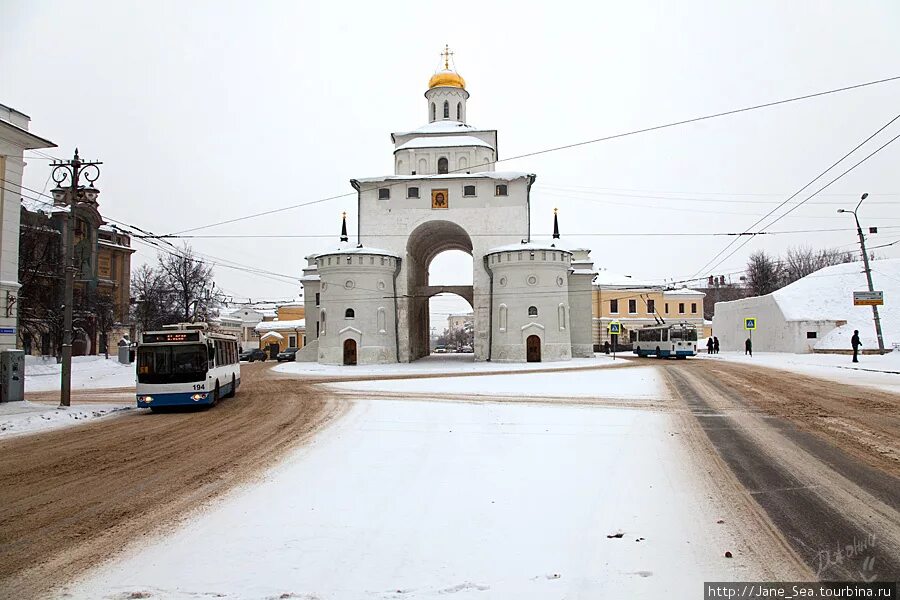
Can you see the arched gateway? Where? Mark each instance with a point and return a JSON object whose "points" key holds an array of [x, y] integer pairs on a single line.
{"points": [[522, 289]]}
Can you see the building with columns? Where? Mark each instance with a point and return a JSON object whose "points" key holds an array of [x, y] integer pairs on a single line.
{"points": [[367, 302], [14, 140]]}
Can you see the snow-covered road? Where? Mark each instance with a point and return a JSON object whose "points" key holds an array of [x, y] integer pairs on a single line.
{"points": [[417, 499]]}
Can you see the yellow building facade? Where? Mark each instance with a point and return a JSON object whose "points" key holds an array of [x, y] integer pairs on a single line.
{"points": [[634, 305], [287, 330]]}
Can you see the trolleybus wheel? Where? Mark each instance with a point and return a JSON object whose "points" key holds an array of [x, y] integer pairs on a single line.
{"points": [[233, 389], [215, 399], [658, 352]]}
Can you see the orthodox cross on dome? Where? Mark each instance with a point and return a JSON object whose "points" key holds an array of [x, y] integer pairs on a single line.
{"points": [[446, 54], [344, 237], [555, 224]]}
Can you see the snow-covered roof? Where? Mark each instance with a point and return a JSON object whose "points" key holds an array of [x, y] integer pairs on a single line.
{"points": [[441, 127], [443, 141], [272, 334], [610, 279], [280, 325], [504, 175], [684, 292], [347, 248], [532, 245]]}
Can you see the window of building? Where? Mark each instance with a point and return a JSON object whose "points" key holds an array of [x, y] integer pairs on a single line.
{"points": [[384, 193], [469, 190], [613, 306], [694, 308], [632, 306], [443, 166], [459, 111], [681, 308], [446, 109], [501, 190], [667, 308], [651, 306], [503, 311], [349, 314], [317, 298], [412, 192], [433, 111], [292, 341], [532, 311], [811, 335]]}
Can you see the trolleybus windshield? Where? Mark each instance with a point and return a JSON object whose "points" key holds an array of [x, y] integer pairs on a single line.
{"points": [[171, 364]]}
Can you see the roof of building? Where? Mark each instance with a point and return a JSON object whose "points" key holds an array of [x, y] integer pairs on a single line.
{"points": [[348, 248], [610, 279], [29, 141], [684, 292], [443, 126], [503, 175], [280, 325], [443, 141], [446, 77], [532, 245]]}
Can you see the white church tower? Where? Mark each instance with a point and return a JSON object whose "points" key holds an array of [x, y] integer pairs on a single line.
{"points": [[369, 301]]}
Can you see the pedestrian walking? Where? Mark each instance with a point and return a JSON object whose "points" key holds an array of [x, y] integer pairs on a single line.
{"points": [[748, 347], [709, 345], [715, 345], [854, 341]]}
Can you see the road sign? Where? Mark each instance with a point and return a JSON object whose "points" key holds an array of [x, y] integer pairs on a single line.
{"points": [[615, 328], [868, 298], [749, 323]]}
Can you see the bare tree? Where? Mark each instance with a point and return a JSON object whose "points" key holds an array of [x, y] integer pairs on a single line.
{"points": [[40, 273], [153, 306], [191, 283], [764, 274], [803, 260]]}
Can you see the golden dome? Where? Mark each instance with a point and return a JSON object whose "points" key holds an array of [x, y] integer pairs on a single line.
{"points": [[446, 78]]}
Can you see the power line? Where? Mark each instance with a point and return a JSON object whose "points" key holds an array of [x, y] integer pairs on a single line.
{"points": [[567, 146], [747, 240], [798, 192]]}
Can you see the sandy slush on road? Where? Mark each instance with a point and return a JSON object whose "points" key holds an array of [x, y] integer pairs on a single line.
{"points": [[73, 497]]}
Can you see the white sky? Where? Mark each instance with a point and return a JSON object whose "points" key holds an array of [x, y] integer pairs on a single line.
{"points": [[202, 111]]}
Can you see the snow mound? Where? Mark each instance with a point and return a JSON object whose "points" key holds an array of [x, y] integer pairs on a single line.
{"points": [[827, 295]]}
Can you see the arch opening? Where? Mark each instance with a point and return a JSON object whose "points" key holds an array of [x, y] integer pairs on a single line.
{"points": [[440, 272]]}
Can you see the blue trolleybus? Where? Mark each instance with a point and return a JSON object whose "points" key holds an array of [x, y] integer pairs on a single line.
{"points": [[676, 339], [186, 365]]}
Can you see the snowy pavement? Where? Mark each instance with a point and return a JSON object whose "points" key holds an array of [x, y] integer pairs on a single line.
{"points": [[421, 500], [440, 363], [42, 374], [17, 418], [642, 383], [872, 370]]}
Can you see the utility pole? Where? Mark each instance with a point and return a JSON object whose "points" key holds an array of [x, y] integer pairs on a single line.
{"points": [[71, 172], [865, 255]]}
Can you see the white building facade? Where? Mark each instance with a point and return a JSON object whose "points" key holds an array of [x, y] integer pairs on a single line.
{"points": [[14, 140], [445, 195]]}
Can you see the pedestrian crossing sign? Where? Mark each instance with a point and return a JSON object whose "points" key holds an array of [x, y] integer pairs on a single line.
{"points": [[615, 328], [750, 323]]}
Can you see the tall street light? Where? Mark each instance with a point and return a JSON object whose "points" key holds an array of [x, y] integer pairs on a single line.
{"points": [[71, 172], [865, 255]]}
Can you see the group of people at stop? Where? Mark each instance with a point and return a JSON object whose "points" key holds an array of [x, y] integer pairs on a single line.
{"points": [[712, 345]]}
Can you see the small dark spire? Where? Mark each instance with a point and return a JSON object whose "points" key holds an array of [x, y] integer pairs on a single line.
{"points": [[555, 225], [344, 237]]}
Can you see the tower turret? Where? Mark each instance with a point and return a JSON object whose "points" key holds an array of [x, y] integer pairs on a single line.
{"points": [[447, 93]]}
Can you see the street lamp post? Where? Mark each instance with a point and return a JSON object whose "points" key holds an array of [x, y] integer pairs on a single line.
{"points": [[71, 172], [865, 255]]}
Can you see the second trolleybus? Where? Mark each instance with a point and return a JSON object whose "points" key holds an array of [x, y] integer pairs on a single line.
{"points": [[665, 340]]}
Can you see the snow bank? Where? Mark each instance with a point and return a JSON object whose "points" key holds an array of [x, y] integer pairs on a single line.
{"points": [[634, 383], [827, 295], [42, 374], [439, 363], [423, 500], [18, 418], [880, 372]]}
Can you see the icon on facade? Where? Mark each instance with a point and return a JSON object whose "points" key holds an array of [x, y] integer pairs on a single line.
{"points": [[439, 199]]}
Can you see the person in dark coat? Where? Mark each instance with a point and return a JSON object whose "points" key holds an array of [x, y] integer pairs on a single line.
{"points": [[748, 347], [709, 346], [715, 345], [854, 341]]}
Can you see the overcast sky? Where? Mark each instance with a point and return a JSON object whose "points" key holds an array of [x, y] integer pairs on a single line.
{"points": [[203, 111]]}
